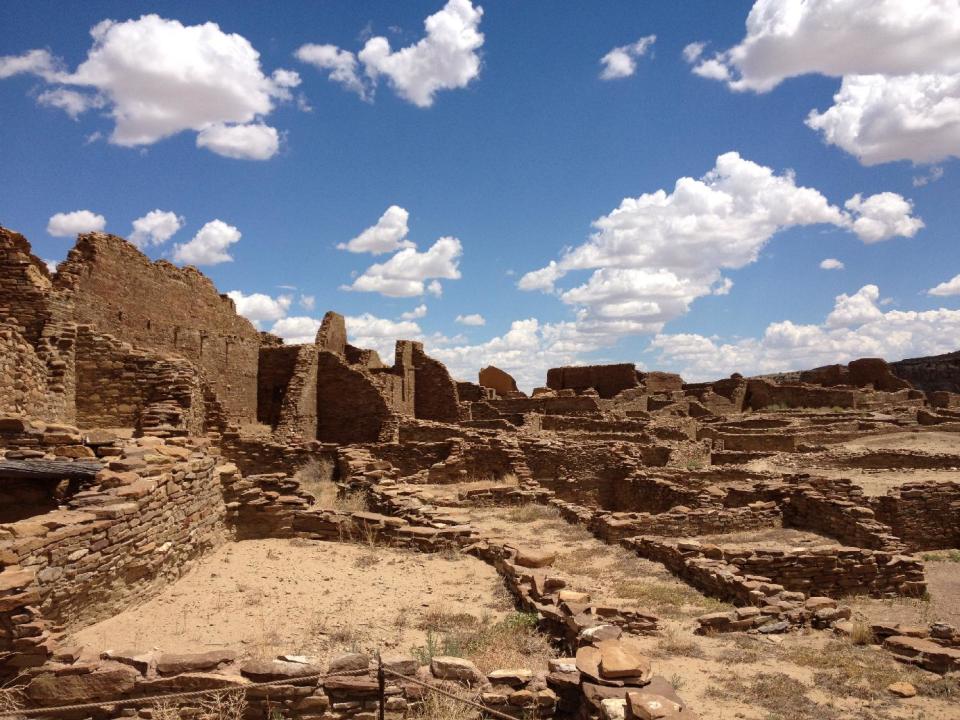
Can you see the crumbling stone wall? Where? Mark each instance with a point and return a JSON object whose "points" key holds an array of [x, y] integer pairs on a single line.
{"points": [[763, 393], [275, 370], [435, 391], [117, 385], [157, 306], [926, 516], [607, 380], [497, 380], [350, 408], [23, 375]]}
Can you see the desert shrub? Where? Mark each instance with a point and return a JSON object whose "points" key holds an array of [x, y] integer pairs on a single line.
{"points": [[531, 512]]}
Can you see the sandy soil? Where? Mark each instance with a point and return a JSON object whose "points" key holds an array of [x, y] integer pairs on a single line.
{"points": [[931, 442], [771, 537], [609, 573], [264, 597]]}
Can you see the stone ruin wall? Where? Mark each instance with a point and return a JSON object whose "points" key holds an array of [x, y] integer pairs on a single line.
{"points": [[23, 376], [607, 380], [436, 396], [167, 309]]}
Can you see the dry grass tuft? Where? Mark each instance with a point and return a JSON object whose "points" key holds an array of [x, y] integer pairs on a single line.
{"points": [[785, 697], [861, 634], [532, 512], [667, 598], [11, 699], [223, 705], [164, 710], [849, 670], [672, 643], [510, 643], [440, 707]]}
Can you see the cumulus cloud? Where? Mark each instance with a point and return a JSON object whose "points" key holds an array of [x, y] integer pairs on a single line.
{"points": [[307, 302], [32, 62], [341, 64], [254, 141], [655, 254], [209, 246], [831, 264], [71, 102], [945, 289], [380, 334], [155, 228], [418, 312], [405, 274], [159, 77], [258, 308], [693, 51], [51, 266], [298, 330], [621, 62], [899, 104], [865, 331], [475, 319], [388, 235], [446, 58], [882, 216], [76, 222]]}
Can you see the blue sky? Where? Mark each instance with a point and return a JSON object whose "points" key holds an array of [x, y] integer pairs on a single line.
{"points": [[522, 147]]}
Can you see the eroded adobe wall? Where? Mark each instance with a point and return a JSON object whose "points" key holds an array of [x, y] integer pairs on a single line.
{"points": [[925, 515], [435, 391], [607, 380], [762, 394], [158, 306]]}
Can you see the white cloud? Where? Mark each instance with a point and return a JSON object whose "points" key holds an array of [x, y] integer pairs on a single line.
{"points": [[935, 173], [258, 307], [209, 246], [831, 264], [418, 312], [882, 216], [693, 51], [297, 330], [51, 266], [655, 254], [899, 104], [71, 102], [342, 65], [254, 141], [155, 228], [881, 119], [388, 235], [159, 77], [856, 309], [404, 274], [945, 289], [621, 62], [307, 302], [474, 319], [74, 223], [34, 62], [447, 57], [866, 332]]}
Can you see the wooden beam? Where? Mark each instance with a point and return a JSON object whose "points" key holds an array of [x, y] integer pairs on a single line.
{"points": [[49, 469]]}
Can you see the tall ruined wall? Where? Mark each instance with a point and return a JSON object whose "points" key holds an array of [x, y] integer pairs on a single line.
{"points": [[25, 286], [117, 386], [436, 392], [937, 372], [763, 393], [350, 407], [23, 376], [158, 306], [275, 370], [607, 380]]}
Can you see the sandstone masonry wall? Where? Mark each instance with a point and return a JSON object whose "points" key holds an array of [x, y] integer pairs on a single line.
{"points": [[158, 306]]}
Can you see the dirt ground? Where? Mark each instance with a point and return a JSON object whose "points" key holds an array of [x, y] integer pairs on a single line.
{"points": [[941, 605], [264, 597], [875, 481]]}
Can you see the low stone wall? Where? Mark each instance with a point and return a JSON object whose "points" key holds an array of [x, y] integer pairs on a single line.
{"points": [[925, 516], [259, 455], [684, 522], [839, 518], [155, 507]]}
